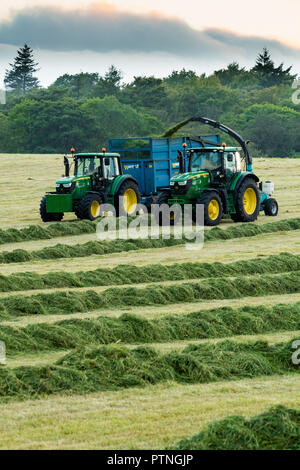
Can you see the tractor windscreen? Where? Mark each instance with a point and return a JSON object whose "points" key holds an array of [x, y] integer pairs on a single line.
{"points": [[205, 161], [86, 165]]}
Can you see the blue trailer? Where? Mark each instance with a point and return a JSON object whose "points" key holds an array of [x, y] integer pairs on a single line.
{"points": [[153, 161]]}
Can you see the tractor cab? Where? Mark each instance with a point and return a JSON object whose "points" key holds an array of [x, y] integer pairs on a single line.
{"points": [[107, 166], [222, 163]]}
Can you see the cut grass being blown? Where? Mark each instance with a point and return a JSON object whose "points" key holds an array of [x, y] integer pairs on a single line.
{"points": [[117, 246], [128, 274], [128, 328], [208, 289], [112, 367], [276, 429]]}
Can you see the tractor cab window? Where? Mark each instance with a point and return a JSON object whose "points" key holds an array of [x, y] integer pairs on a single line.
{"points": [[86, 166], [110, 168], [206, 161], [238, 161]]}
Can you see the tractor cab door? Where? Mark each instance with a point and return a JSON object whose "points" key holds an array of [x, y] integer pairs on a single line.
{"points": [[230, 165], [111, 168]]}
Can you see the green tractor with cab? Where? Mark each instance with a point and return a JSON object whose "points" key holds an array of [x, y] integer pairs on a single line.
{"points": [[97, 180], [214, 176]]}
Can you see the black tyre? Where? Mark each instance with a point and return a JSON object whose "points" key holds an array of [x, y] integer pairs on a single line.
{"points": [[90, 207], [271, 207], [127, 199], [247, 203], [213, 209], [49, 216], [168, 218]]}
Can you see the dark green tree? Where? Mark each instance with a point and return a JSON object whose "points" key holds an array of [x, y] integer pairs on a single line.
{"points": [[180, 78], [80, 84], [20, 77], [148, 92], [110, 84], [268, 74]]}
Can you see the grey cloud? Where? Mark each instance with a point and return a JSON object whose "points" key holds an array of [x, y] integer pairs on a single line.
{"points": [[106, 31]]}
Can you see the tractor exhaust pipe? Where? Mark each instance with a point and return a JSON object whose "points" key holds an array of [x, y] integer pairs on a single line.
{"points": [[67, 166], [181, 161]]}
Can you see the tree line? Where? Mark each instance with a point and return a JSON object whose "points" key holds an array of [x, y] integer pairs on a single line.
{"points": [[85, 109]]}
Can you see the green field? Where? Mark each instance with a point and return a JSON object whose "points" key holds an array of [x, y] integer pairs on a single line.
{"points": [[140, 345]]}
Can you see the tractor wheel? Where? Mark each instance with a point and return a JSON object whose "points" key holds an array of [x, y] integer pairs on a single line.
{"points": [[165, 219], [271, 207], [247, 204], [213, 209], [49, 216], [127, 199], [90, 207]]}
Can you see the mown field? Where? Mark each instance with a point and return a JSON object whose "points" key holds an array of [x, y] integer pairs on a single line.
{"points": [[142, 344]]}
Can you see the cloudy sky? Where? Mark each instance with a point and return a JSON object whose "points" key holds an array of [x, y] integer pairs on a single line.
{"points": [[148, 37]]}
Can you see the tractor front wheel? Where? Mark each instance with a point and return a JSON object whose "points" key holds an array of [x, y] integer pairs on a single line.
{"points": [[127, 199], [49, 216], [90, 207], [271, 207], [247, 203], [169, 217], [213, 210]]}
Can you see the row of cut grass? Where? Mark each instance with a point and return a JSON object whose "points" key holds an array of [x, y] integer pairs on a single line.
{"points": [[276, 429], [60, 302], [116, 246], [128, 274], [112, 367], [128, 328]]}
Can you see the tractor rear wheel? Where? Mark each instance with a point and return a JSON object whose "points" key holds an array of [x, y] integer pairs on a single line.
{"points": [[213, 210], [247, 203], [90, 207], [127, 199], [49, 216], [271, 207]]}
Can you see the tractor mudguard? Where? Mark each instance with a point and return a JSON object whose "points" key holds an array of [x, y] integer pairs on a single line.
{"points": [[99, 193], [222, 192], [242, 178], [119, 181]]}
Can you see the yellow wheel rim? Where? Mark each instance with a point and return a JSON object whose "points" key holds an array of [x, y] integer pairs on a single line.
{"points": [[130, 201], [250, 201], [95, 209], [213, 209]]}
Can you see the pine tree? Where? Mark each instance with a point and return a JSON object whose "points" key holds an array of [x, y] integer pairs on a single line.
{"points": [[20, 76], [268, 74]]}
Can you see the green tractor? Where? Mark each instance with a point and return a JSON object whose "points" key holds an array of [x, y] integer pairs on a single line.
{"points": [[97, 180], [216, 179]]}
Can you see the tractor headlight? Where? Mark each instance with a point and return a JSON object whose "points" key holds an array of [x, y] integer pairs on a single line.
{"points": [[67, 185], [182, 183], [172, 183], [57, 185]]}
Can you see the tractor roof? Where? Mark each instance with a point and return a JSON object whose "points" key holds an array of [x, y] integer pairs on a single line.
{"points": [[89, 155], [216, 149]]}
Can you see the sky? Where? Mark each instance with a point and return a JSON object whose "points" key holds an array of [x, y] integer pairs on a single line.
{"points": [[148, 37]]}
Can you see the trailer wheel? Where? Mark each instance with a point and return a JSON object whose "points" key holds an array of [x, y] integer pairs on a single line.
{"points": [[247, 204], [127, 199], [49, 216], [213, 210], [90, 207], [165, 218], [271, 207]]}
